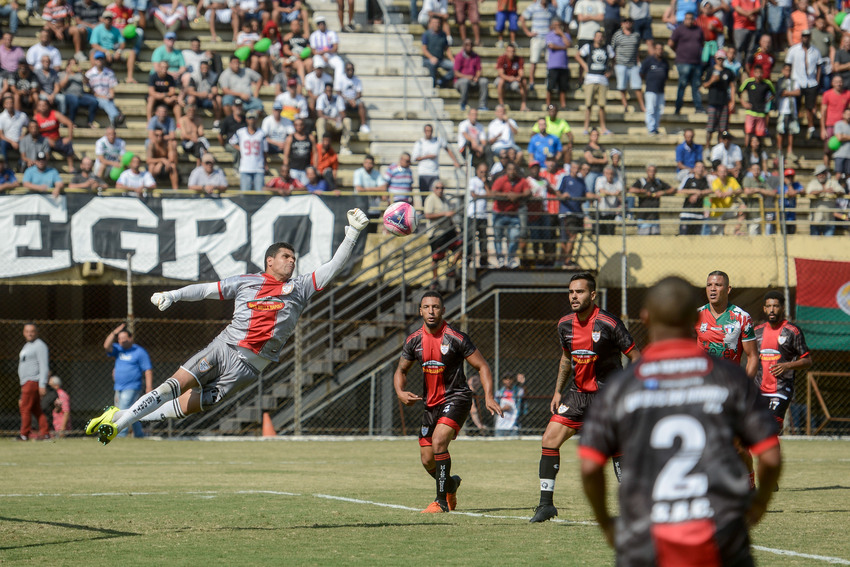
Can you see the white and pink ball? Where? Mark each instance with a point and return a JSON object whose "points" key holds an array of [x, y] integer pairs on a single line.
{"points": [[400, 219]]}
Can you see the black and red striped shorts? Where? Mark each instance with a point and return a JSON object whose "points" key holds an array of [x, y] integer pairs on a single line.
{"points": [[452, 412]]}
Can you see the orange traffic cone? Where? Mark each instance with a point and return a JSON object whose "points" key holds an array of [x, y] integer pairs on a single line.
{"points": [[268, 428]]}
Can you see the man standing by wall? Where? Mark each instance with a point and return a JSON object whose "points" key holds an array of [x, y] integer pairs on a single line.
{"points": [[131, 364], [33, 369]]}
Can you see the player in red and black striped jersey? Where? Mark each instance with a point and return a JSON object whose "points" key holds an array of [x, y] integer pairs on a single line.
{"points": [[441, 351], [782, 351], [592, 340], [684, 497]]}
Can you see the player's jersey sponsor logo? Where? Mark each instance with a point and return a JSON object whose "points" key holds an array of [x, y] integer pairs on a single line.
{"points": [[266, 304], [444, 349], [769, 355], [595, 335], [782, 339], [433, 367], [675, 367], [287, 288], [584, 356], [203, 365]]}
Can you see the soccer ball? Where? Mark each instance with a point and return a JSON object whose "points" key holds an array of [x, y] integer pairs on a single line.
{"points": [[400, 219]]}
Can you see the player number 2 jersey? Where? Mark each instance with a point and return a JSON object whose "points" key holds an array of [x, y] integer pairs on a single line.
{"points": [[674, 415], [594, 346], [783, 344], [441, 356], [724, 336]]}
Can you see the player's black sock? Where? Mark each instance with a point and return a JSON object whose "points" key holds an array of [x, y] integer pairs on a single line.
{"points": [[550, 461], [433, 472], [618, 471], [444, 475]]}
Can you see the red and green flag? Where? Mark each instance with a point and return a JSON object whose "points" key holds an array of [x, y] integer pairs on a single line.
{"points": [[823, 303]]}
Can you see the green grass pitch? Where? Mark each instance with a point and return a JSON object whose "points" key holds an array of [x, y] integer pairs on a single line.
{"points": [[193, 503]]}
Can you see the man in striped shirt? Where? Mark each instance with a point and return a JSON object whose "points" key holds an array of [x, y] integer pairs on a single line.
{"points": [[102, 82], [267, 308], [398, 180]]}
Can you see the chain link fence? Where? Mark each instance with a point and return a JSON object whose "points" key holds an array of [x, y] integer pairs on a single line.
{"points": [[515, 330]]}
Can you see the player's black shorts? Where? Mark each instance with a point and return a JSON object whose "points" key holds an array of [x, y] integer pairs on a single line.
{"points": [[778, 402], [572, 409], [453, 412]]}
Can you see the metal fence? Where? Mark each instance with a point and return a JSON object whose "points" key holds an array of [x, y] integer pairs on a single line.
{"points": [[515, 330]]}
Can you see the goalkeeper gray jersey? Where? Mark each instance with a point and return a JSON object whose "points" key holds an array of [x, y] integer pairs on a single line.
{"points": [[265, 311]]}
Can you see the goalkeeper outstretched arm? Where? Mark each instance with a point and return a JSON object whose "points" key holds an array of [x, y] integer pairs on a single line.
{"points": [[357, 221]]}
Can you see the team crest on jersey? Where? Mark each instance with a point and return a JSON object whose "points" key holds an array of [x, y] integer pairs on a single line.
{"points": [[782, 340], [729, 329], [444, 349], [266, 304], [703, 328], [595, 335], [287, 288], [203, 365]]}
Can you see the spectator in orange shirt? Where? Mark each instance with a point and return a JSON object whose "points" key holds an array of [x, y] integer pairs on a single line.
{"points": [[328, 162]]}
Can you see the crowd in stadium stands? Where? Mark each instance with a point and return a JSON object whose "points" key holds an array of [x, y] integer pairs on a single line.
{"points": [[42, 94], [725, 52]]}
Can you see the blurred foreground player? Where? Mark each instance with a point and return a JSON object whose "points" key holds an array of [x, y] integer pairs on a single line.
{"points": [[267, 308], [684, 498], [592, 340], [441, 350]]}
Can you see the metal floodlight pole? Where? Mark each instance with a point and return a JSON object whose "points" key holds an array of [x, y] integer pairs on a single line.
{"points": [[466, 239], [784, 228], [624, 260], [131, 318]]}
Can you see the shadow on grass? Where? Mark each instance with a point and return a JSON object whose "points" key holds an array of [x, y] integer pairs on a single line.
{"points": [[811, 488], [104, 533], [375, 525]]}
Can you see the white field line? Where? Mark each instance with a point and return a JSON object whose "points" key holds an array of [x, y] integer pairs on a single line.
{"points": [[213, 493]]}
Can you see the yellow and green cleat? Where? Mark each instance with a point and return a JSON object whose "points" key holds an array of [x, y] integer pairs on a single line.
{"points": [[106, 417]]}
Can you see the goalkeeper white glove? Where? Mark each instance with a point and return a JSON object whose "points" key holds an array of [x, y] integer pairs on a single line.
{"points": [[162, 300], [357, 219]]}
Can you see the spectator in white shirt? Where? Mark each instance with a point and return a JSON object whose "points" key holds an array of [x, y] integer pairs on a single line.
{"points": [[330, 109], [325, 45], [294, 105], [426, 153], [501, 132], [472, 134], [134, 180], [804, 58], [314, 83], [12, 124], [277, 129], [352, 93], [44, 47], [728, 153]]}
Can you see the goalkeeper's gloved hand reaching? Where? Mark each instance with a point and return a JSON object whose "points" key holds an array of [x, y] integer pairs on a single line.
{"points": [[357, 220], [162, 299]]}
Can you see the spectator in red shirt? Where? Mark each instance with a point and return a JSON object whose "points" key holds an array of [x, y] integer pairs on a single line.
{"points": [[832, 106], [711, 27], [509, 68], [328, 162], [762, 57], [510, 189], [283, 184], [744, 26], [468, 75]]}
